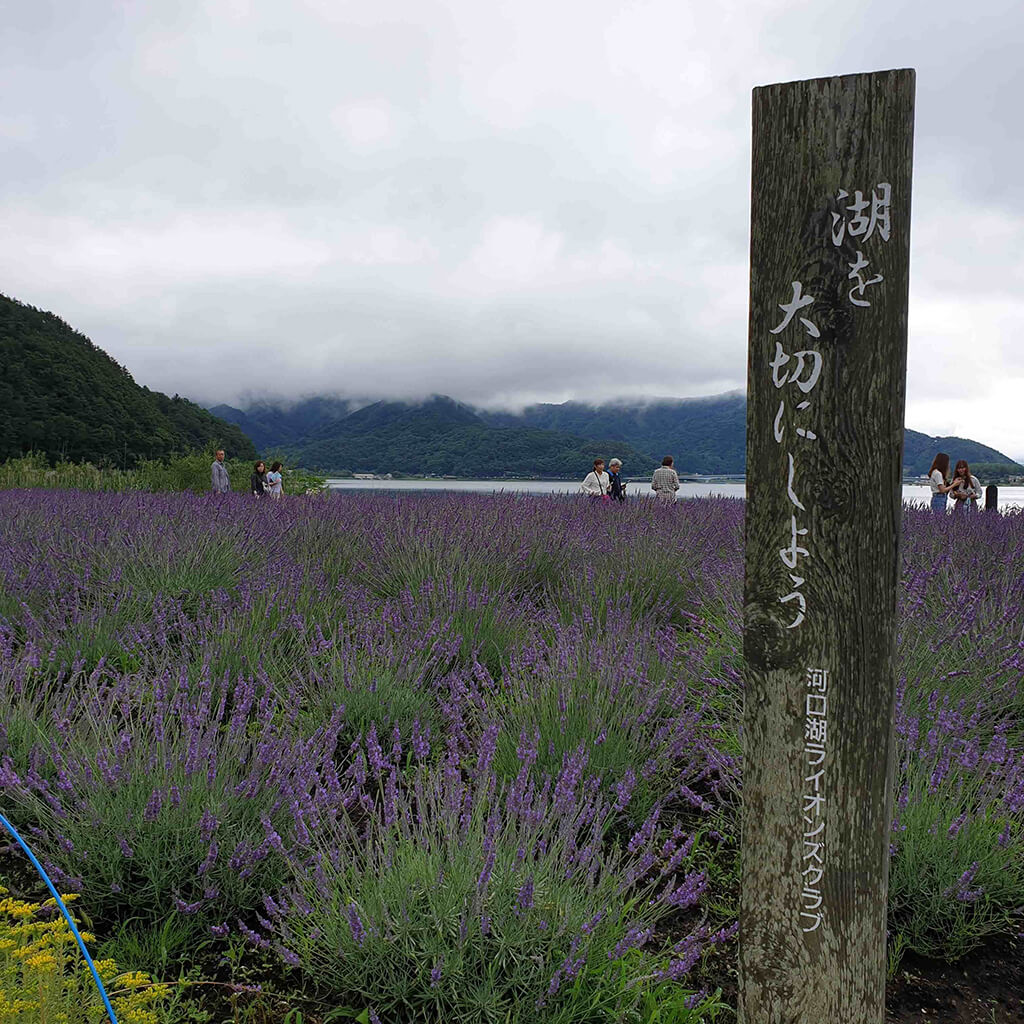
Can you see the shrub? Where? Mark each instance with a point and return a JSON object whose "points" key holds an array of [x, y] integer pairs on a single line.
{"points": [[43, 976], [450, 899], [180, 796], [957, 872], [625, 697]]}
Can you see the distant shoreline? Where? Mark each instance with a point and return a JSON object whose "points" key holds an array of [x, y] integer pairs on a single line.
{"points": [[914, 492]]}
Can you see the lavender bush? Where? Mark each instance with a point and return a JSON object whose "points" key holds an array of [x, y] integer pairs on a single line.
{"points": [[164, 796], [250, 719], [456, 898]]}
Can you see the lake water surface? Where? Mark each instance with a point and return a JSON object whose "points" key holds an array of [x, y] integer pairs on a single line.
{"points": [[1009, 497]]}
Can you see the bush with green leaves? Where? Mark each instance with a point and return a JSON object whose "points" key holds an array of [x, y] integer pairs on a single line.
{"points": [[166, 799], [450, 897]]}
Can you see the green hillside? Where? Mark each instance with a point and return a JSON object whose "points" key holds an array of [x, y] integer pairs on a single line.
{"points": [[273, 426], [704, 435], [443, 438], [63, 396], [919, 450]]}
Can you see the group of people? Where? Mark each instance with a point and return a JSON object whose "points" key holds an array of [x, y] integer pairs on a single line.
{"points": [[261, 483], [963, 486], [609, 486]]}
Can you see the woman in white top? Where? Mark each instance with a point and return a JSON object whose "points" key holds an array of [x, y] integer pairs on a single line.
{"points": [[596, 482], [966, 489], [937, 478]]}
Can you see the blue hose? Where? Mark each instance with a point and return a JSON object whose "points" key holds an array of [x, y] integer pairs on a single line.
{"points": [[67, 917]]}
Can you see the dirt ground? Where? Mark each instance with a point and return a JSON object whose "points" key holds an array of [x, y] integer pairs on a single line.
{"points": [[986, 987]]}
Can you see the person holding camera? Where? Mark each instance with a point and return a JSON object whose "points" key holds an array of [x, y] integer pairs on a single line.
{"points": [[616, 485]]}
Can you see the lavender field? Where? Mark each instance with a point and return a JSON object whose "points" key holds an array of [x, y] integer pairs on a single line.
{"points": [[431, 757]]}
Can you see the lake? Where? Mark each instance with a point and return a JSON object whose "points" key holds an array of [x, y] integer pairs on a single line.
{"points": [[1009, 497]]}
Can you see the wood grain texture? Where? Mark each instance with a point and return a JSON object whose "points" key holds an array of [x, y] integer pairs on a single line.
{"points": [[811, 140]]}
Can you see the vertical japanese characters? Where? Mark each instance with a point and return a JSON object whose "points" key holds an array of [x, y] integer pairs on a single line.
{"points": [[856, 222], [859, 221], [812, 859], [796, 372], [802, 376]]}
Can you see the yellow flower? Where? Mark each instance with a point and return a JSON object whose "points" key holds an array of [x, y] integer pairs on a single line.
{"points": [[135, 1016], [40, 961], [132, 979], [40, 955]]}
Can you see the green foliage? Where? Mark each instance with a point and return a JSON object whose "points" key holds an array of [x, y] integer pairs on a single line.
{"points": [[996, 472], [592, 705], [271, 425], [182, 473], [167, 807], [919, 450], [705, 435], [64, 397], [950, 886], [35, 470], [453, 924], [430, 440], [43, 977]]}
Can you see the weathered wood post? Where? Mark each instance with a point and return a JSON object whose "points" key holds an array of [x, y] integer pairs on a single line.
{"points": [[829, 254]]}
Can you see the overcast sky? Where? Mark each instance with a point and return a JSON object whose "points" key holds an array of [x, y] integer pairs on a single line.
{"points": [[499, 200]]}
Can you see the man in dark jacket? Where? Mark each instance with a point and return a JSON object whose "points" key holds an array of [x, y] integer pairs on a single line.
{"points": [[616, 485]]}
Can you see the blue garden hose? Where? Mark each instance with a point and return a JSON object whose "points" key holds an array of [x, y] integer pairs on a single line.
{"points": [[67, 917]]}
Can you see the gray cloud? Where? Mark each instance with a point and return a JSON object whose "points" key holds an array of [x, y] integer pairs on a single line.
{"points": [[502, 202]]}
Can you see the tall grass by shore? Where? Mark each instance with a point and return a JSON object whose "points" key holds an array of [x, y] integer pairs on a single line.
{"points": [[184, 473]]}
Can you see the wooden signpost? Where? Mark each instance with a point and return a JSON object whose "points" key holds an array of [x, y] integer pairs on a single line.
{"points": [[829, 256]]}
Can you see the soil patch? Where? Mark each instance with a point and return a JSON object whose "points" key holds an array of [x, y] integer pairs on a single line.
{"points": [[985, 987]]}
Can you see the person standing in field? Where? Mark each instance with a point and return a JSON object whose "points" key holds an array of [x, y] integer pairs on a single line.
{"points": [[596, 482], [258, 480], [665, 481], [966, 489], [220, 483], [616, 486], [937, 477], [275, 481]]}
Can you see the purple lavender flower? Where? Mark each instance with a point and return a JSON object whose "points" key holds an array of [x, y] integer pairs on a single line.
{"points": [[356, 925], [524, 898]]}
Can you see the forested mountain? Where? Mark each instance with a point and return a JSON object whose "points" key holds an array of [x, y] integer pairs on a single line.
{"points": [[920, 449], [61, 395], [272, 426], [706, 435], [443, 437]]}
